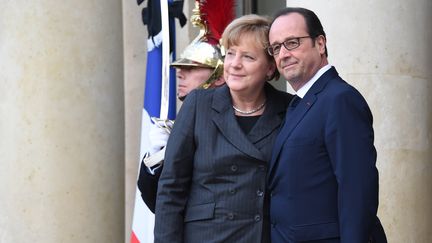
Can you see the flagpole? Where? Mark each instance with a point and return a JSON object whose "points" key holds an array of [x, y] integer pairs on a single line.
{"points": [[165, 60]]}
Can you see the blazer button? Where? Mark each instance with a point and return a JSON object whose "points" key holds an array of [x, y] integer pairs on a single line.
{"points": [[260, 193], [232, 191], [230, 216], [234, 168], [257, 218]]}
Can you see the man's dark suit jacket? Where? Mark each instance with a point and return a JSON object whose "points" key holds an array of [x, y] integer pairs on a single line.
{"points": [[322, 177], [212, 187]]}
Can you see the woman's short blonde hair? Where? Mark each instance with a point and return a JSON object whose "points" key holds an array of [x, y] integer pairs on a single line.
{"points": [[248, 25]]}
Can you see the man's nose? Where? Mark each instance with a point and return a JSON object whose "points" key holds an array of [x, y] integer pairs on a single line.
{"points": [[283, 52]]}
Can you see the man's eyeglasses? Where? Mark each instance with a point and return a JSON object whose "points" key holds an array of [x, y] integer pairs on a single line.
{"points": [[289, 44]]}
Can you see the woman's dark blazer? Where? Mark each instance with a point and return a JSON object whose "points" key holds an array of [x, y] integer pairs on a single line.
{"points": [[213, 184]]}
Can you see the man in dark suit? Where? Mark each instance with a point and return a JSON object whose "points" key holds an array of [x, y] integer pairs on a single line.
{"points": [[322, 177]]}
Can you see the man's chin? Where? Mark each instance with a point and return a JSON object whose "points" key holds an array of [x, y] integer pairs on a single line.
{"points": [[289, 74]]}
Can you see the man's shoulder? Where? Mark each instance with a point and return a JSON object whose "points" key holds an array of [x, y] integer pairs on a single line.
{"points": [[335, 84], [339, 86], [340, 92]]}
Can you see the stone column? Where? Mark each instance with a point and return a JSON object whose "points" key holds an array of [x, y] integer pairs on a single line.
{"points": [[61, 121], [383, 49]]}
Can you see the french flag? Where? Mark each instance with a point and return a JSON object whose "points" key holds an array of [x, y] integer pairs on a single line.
{"points": [[159, 94]]}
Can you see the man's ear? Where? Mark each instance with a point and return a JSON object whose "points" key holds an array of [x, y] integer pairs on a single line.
{"points": [[321, 41]]}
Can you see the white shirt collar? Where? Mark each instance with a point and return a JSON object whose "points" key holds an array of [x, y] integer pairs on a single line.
{"points": [[305, 88]]}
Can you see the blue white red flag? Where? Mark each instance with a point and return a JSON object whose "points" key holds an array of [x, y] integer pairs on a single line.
{"points": [[159, 95]]}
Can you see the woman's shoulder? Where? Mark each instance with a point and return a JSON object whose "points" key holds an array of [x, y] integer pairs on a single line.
{"points": [[277, 94], [200, 92], [206, 97]]}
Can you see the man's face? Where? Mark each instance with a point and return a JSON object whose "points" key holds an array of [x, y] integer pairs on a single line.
{"points": [[299, 65], [189, 78]]}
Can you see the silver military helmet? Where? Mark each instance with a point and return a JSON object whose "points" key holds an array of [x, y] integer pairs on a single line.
{"points": [[202, 54], [204, 51]]}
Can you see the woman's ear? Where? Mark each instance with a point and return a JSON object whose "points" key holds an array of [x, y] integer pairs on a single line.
{"points": [[273, 73], [219, 82]]}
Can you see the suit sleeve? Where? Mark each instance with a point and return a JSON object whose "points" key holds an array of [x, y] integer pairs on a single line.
{"points": [[349, 141], [147, 184], [174, 182]]}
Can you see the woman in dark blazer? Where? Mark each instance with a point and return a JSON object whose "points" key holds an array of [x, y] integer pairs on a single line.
{"points": [[213, 184]]}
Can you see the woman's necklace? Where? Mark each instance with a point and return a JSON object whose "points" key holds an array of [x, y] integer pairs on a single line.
{"points": [[251, 111]]}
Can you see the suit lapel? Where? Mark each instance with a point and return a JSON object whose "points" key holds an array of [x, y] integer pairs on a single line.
{"points": [[225, 120], [293, 118], [272, 117]]}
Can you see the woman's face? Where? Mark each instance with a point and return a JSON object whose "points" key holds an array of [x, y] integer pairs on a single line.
{"points": [[246, 65]]}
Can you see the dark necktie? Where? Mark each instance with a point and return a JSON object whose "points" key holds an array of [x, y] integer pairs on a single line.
{"points": [[294, 102]]}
